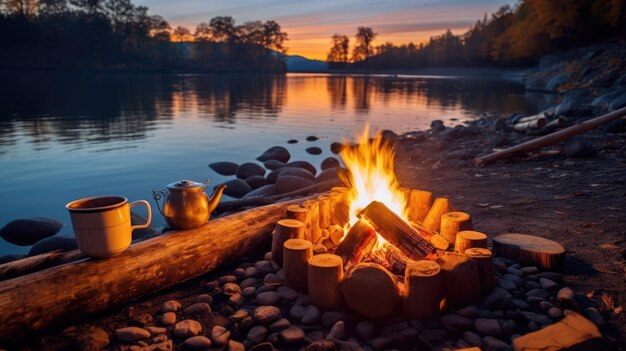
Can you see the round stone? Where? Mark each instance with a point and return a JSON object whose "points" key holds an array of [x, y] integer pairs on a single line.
{"points": [[266, 314], [282, 323], [454, 322], [187, 328], [197, 343], [131, 334], [365, 330], [287, 293], [198, 308], [311, 315], [168, 318], [220, 335], [247, 283], [292, 335], [257, 334], [488, 326], [268, 298], [231, 289], [297, 312], [249, 291]]}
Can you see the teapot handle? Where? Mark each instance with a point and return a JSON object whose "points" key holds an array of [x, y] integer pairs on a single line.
{"points": [[157, 195]]}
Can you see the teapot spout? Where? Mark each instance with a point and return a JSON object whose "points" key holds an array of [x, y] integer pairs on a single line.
{"points": [[215, 199]]}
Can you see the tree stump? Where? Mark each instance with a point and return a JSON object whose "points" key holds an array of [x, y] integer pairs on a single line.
{"points": [[454, 222], [301, 214], [285, 229], [370, 290], [530, 250], [468, 239], [422, 290], [419, 203], [296, 254], [484, 261], [460, 280], [325, 276], [432, 221]]}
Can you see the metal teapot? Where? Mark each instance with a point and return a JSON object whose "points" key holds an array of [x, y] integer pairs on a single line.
{"points": [[185, 203]]}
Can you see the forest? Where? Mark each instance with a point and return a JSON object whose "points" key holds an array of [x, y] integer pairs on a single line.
{"points": [[118, 35], [512, 36]]}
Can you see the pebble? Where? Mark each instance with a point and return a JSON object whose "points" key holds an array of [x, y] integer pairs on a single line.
{"points": [[311, 315], [264, 267], [537, 318], [264, 346], [454, 322], [433, 334], [265, 287], [515, 279], [249, 291], [365, 330], [275, 339], [156, 330], [168, 318], [473, 339], [555, 313], [316, 335], [236, 300], [297, 312], [197, 343], [272, 278], [268, 298], [529, 270], [556, 277], [566, 298], [311, 138], [187, 328], [292, 335], [246, 323], [131, 334], [497, 298], [287, 293], [239, 272], [231, 289], [506, 284], [538, 293], [515, 271], [198, 308], [220, 335], [314, 150], [204, 298], [521, 304], [547, 284], [533, 326], [238, 315], [282, 323], [322, 345], [235, 346], [529, 285], [227, 279], [470, 311], [545, 305], [508, 327], [492, 344], [250, 272], [594, 315], [246, 283], [338, 331], [257, 334], [535, 300], [303, 300], [28, 231], [329, 318], [142, 319], [488, 326], [171, 306], [499, 265], [266, 314]]}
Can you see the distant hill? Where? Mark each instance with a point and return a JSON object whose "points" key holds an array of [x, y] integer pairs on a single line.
{"points": [[303, 64]]}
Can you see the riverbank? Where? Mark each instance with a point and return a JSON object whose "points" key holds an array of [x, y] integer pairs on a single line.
{"points": [[516, 75]]}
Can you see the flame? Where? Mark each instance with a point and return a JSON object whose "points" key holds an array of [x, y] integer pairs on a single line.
{"points": [[371, 176]]}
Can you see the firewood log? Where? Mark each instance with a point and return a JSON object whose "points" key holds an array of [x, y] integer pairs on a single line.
{"points": [[422, 290], [296, 254], [285, 229], [530, 125], [358, 241], [460, 280], [454, 222], [301, 214], [484, 261], [325, 276], [339, 206], [530, 250], [370, 290], [27, 304], [432, 221], [398, 232], [468, 239], [324, 211], [396, 260], [314, 211], [419, 204], [574, 332], [335, 233], [439, 242]]}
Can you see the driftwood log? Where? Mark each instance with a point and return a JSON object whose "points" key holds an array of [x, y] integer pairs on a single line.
{"points": [[550, 139], [530, 250], [38, 262], [72, 291]]}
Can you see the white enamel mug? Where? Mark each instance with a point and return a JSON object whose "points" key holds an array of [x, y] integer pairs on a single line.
{"points": [[102, 224]]}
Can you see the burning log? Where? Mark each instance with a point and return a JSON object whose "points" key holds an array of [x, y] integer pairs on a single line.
{"points": [[399, 233], [358, 241], [439, 242], [335, 233], [459, 276], [454, 222], [419, 202], [325, 275], [422, 290], [370, 290], [324, 210], [432, 221], [314, 211], [296, 254], [301, 214], [285, 229], [530, 250], [396, 260], [484, 261], [468, 239], [339, 206]]}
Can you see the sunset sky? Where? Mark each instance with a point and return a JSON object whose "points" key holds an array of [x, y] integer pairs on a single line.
{"points": [[310, 24]]}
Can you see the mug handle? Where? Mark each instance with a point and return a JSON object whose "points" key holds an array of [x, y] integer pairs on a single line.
{"points": [[147, 224]]}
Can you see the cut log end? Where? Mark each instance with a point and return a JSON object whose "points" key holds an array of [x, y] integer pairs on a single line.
{"points": [[468, 239], [530, 250]]}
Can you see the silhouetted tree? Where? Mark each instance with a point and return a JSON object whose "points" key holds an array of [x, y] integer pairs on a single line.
{"points": [[363, 49], [339, 50], [223, 29]]}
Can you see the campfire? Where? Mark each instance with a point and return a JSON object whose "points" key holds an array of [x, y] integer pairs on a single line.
{"points": [[373, 245]]}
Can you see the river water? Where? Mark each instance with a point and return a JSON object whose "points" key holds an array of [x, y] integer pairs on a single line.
{"points": [[69, 135]]}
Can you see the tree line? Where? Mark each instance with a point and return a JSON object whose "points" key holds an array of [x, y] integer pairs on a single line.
{"points": [[511, 36], [111, 34]]}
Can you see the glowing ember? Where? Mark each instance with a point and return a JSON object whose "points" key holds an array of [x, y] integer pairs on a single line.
{"points": [[371, 176]]}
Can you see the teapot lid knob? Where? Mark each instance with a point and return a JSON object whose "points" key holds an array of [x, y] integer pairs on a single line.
{"points": [[184, 185]]}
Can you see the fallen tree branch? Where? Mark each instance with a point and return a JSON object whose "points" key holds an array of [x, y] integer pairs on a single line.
{"points": [[553, 138], [267, 200]]}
